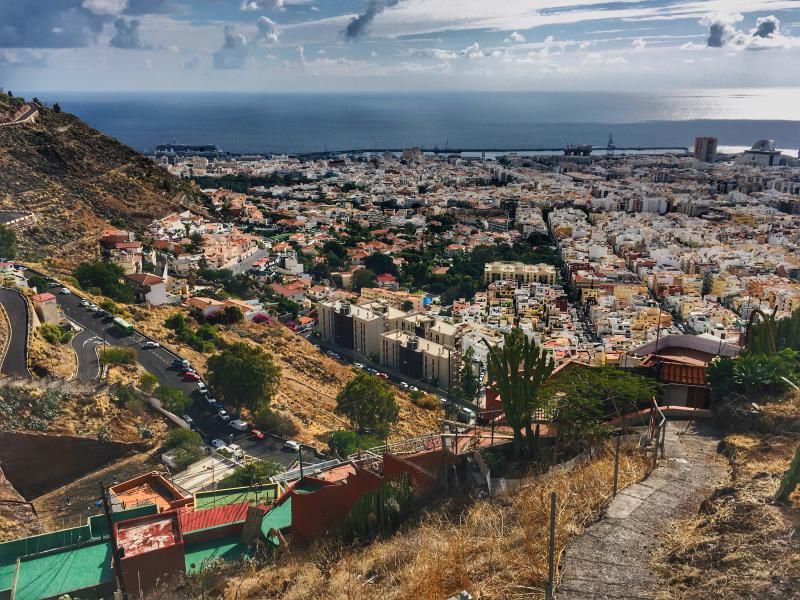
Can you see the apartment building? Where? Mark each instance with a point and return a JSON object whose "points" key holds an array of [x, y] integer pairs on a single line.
{"points": [[519, 272], [419, 358], [357, 327]]}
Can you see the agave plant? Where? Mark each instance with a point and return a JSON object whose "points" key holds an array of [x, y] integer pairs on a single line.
{"points": [[518, 369]]}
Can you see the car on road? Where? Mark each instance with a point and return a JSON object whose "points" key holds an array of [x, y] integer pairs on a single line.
{"points": [[224, 416], [216, 406], [239, 425], [191, 376], [53, 284], [202, 388], [358, 365], [217, 444], [413, 388], [151, 344], [256, 433], [212, 401], [179, 362], [189, 420], [291, 446], [403, 384], [64, 291], [93, 308], [383, 376], [85, 303]]}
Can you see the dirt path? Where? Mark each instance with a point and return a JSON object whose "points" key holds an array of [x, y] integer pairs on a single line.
{"points": [[612, 558]]}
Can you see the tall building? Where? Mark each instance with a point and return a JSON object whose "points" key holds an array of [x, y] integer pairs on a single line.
{"points": [[705, 148]]}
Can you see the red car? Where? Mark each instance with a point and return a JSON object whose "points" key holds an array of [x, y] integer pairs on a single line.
{"points": [[257, 434], [189, 376]]}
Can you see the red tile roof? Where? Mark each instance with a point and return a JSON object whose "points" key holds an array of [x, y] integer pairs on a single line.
{"points": [[213, 517], [683, 374], [43, 297]]}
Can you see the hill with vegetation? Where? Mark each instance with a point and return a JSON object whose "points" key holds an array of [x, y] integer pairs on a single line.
{"points": [[78, 181]]}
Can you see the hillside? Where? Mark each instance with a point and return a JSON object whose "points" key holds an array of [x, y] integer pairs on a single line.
{"points": [[77, 180]]}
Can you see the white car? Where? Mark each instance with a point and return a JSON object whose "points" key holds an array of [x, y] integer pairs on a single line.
{"points": [[202, 387], [291, 446], [85, 302], [151, 344], [403, 384], [189, 420], [217, 444], [224, 416], [64, 292], [236, 451], [413, 388], [93, 307], [358, 365], [239, 425]]}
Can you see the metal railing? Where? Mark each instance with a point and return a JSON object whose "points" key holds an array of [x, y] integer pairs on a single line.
{"points": [[657, 430]]}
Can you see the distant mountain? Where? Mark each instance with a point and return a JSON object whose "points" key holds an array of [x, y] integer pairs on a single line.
{"points": [[78, 181]]}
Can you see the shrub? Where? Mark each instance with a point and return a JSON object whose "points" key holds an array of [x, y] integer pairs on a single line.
{"points": [[255, 472], [423, 400], [148, 382], [103, 433], [55, 334], [275, 423], [344, 442], [118, 356], [183, 438]]}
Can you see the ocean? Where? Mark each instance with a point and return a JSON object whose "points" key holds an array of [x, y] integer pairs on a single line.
{"points": [[312, 122]]}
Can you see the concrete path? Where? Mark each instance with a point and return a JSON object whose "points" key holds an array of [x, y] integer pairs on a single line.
{"points": [[612, 558]]}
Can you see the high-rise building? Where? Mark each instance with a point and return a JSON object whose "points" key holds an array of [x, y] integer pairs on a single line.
{"points": [[705, 148]]}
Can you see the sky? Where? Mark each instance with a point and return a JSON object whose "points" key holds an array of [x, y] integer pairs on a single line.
{"points": [[397, 45]]}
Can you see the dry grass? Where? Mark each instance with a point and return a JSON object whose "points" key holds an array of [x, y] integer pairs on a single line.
{"points": [[54, 360], [740, 545], [310, 380], [495, 548]]}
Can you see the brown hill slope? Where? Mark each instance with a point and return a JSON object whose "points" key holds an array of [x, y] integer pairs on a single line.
{"points": [[76, 180]]}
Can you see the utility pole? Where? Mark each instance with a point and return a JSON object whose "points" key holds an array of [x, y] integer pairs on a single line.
{"points": [[113, 541]]}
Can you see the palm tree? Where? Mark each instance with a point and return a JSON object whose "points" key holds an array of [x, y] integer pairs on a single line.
{"points": [[519, 368]]}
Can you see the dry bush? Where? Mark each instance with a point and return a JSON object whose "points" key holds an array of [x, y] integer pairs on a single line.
{"points": [[740, 545], [495, 548]]}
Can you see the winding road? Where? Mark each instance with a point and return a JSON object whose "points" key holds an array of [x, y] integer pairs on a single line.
{"points": [[15, 362]]}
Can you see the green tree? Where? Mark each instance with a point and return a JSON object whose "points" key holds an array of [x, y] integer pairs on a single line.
{"points": [[368, 403], [57, 107], [790, 479], [343, 443], [118, 355], [173, 399], [252, 473], [8, 243], [519, 368], [363, 278], [380, 263], [107, 277], [38, 282], [407, 306], [182, 437], [244, 376]]}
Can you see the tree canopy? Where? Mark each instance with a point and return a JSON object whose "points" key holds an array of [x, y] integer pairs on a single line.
{"points": [[363, 278], [380, 263], [107, 277], [369, 404], [244, 376], [8, 243]]}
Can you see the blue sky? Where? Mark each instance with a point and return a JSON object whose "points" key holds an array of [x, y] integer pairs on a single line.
{"points": [[349, 45]]}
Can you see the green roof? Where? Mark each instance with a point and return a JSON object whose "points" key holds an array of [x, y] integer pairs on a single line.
{"points": [[265, 493], [278, 518], [226, 548], [64, 571]]}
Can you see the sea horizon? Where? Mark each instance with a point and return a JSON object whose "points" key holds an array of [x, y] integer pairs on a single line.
{"points": [[307, 122]]}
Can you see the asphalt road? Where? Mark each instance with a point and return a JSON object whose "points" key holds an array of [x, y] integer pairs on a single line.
{"points": [[158, 361], [16, 359]]}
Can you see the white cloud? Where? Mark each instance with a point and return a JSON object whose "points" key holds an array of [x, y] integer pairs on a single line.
{"points": [[105, 7], [254, 5], [639, 44], [267, 31], [516, 38]]}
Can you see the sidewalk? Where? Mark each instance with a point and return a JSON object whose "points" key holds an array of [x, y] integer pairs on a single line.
{"points": [[611, 559]]}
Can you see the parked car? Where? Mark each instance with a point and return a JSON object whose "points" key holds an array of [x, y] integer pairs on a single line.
{"points": [[53, 284], [358, 365], [256, 433], [236, 451], [151, 344], [211, 401], [85, 303], [216, 406], [239, 425], [191, 376], [189, 420], [179, 362], [217, 444], [224, 416], [93, 307], [64, 292], [413, 388], [202, 387], [291, 446], [403, 384], [383, 376]]}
